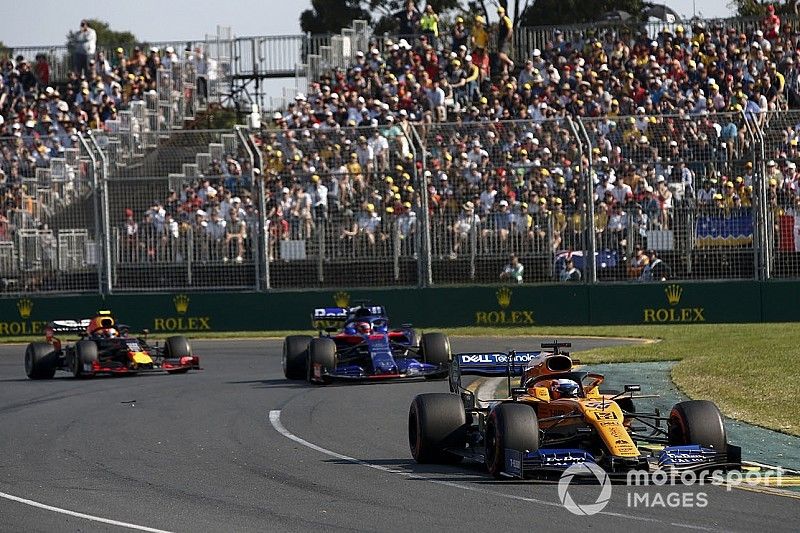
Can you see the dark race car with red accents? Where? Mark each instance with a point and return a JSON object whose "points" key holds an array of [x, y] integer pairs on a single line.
{"points": [[104, 347], [357, 344]]}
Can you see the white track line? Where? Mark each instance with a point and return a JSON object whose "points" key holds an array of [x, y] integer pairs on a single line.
{"points": [[275, 420], [79, 515]]}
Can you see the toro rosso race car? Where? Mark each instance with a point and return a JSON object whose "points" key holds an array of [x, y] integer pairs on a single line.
{"points": [[358, 345], [557, 417], [104, 347]]}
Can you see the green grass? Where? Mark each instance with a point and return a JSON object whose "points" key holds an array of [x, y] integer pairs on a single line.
{"points": [[752, 371]]}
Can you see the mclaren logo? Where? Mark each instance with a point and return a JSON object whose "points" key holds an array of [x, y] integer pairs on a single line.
{"points": [[674, 312], [342, 299], [504, 316], [182, 323], [25, 308], [181, 302]]}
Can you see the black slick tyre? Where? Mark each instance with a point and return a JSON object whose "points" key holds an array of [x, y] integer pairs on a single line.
{"points": [[697, 422], [321, 360], [177, 347], [436, 421], [40, 361], [84, 355], [511, 426], [435, 350], [294, 357]]}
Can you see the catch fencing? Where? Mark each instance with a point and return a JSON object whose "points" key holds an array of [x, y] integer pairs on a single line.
{"points": [[714, 196]]}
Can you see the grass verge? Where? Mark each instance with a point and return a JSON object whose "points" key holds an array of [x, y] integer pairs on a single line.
{"points": [[747, 369]]}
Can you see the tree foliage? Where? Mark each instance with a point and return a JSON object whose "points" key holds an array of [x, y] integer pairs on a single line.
{"points": [[553, 12], [106, 37], [756, 8], [330, 16]]}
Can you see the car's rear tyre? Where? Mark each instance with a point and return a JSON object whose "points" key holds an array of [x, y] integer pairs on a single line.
{"points": [[697, 422], [294, 358], [177, 347], [322, 359], [511, 426], [40, 361], [435, 350], [85, 354], [436, 421]]}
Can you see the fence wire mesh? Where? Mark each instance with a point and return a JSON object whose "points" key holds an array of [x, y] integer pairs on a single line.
{"points": [[714, 196], [48, 225], [687, 180], [342, 207]]}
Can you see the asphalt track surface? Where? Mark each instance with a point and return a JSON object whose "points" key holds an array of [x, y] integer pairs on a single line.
{"points": [[199, 452]]}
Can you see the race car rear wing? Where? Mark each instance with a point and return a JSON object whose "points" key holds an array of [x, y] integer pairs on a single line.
{"points": [[493, 364], [488, 364], [69, 326], [328, 317]]}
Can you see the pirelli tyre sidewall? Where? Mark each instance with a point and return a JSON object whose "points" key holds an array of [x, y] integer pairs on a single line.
{"points": [[509, 426], [177, 347], [294, 356], [436, 422], [321, 360], [40, 361], [85, 353], [697, 422]]}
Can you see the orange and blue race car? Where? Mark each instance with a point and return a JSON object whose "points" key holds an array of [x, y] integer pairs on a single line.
{"points": [[104, 347], [557, 416], [358, 344]]}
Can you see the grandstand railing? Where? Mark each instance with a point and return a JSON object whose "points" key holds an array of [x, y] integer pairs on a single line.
{"points": [[67, 232]]}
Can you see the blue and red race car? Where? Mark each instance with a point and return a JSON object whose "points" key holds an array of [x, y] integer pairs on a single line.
{"points": [[359, 345]]}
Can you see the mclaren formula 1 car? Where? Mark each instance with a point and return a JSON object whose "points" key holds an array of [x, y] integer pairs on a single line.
{"points": [[357, 344], [104, 347], [557, 416]]}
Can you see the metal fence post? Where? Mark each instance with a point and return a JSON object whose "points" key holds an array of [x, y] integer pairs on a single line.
{"points": [[591, 245], [96, 202], [105, 226], [764, 224], [424, 263]]}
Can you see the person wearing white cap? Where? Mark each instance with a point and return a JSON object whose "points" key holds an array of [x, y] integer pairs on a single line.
{"points": [[462, 228]]}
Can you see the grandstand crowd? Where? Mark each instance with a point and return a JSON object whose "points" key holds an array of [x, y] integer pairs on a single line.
{"points": [[488, 140], [663, 113]]}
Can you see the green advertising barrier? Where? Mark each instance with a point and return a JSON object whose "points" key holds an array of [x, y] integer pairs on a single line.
{"points": [[675, 303], [501, 306]]}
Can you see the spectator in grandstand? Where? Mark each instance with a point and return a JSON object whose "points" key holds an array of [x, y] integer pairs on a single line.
{"points": [[85, 47], [570, 273], [637, 263], [467, 222], [369, 224], [408, 19], [513, 271], [655, 269], [505, 33], [236, 231]]}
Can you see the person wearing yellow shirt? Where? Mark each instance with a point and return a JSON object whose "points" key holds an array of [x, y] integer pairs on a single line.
{"points": [[471, 81], [505, 33], [429, 25], [480, 37]]}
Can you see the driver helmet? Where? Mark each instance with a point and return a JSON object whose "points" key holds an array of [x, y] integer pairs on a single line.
{"points": [[108, 333], [564, 388], [364, 328]]}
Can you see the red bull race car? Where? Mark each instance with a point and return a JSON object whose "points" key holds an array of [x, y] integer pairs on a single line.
{"points": [[104, 347], [357, 344]]}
